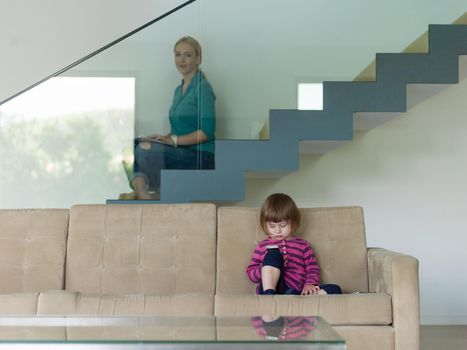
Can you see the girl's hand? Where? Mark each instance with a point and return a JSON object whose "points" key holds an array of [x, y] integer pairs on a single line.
{"points": [[310, 289]]}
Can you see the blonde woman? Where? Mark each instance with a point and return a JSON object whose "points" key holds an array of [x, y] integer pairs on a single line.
{"points": [[190, 143]]}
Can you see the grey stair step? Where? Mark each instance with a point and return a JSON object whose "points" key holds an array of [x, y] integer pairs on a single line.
{"points": [[447, 38], [258, 155], [309, 125], [355, 96], [417, 68], [185, 186]]}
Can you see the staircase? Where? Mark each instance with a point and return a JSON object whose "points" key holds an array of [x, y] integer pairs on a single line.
{"points": [[347, 107]]}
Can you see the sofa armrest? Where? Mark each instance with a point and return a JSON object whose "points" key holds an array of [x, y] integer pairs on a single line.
{"points": [[397, 275]]}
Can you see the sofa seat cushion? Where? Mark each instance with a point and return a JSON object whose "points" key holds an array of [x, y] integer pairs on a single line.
{"points": [[367, 337], [345, 309], [74, 303], [18, 304], [144, 331], [18, 329], [12, 328]]}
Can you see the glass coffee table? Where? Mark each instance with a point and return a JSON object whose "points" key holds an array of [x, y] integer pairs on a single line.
{"points": [[226, 333]]}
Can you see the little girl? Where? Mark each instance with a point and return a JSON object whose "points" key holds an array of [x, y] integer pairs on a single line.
{"points": [[282, 263]]}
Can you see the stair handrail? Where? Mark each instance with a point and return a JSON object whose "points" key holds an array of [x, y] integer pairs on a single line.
{"points": [[94, 53]]}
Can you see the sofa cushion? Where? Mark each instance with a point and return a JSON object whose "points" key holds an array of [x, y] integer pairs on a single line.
{"points": [[32, 249], [143, 331], [288, 329], [17, 330], [18, 303], [142, 249], [345, 309], [75, 303], [367, 337], [337, 236]]}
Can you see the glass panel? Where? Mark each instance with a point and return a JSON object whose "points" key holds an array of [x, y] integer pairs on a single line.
{"points": [[61, 142], [255, 53], [71, 138], [174, 106]]}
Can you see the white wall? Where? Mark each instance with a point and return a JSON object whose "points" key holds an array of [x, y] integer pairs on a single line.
{"points": [[268, 46], [409, 174]]}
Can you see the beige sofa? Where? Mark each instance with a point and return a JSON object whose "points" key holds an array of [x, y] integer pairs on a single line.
{"points": [[190, 259]]}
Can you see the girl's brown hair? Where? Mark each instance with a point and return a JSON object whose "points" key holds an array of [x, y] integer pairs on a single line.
{"points": [[279, 207]]}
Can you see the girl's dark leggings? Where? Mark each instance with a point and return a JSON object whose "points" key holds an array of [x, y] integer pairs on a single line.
{"points": [[274, 258]]}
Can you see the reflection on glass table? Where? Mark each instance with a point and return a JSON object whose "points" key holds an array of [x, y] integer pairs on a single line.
{"points": [[180, 332], [284, 328]]}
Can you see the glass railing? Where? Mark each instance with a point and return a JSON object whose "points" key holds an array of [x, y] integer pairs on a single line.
{"points": [[76, 136], [71, 139]]}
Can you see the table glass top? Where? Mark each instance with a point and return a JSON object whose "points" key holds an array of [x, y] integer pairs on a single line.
{"points": [[259, 329]]}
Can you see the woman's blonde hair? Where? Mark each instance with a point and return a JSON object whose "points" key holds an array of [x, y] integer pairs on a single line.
{"points": [[279, 207], [192, 42]]}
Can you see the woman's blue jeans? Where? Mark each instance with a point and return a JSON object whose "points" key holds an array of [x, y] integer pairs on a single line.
{"points": [[149, 162]]}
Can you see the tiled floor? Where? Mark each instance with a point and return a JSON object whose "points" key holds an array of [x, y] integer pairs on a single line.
{"points": [[443, 337]]}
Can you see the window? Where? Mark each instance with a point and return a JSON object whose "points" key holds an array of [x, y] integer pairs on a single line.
{"points": [[310, 96], [63, 142]]}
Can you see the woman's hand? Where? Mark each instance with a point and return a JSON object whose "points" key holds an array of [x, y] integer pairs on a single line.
{"points": [[154, 137], [193, 138], [165, 139], [310, 289], [158, 138]]}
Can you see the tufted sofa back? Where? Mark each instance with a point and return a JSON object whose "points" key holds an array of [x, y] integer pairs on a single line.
{"points": [[141, 249], [32, 249]]}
